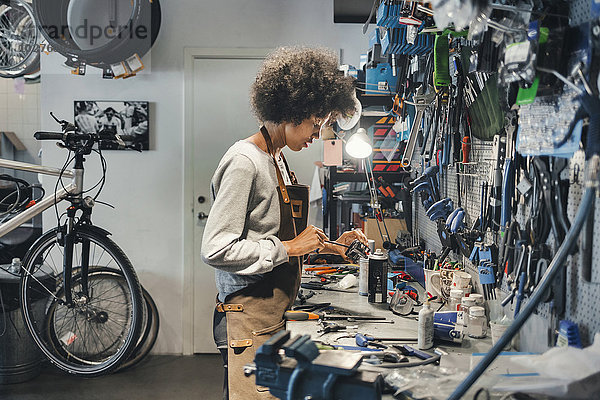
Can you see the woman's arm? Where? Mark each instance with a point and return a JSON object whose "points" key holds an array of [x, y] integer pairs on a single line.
{"points": [[223, 245]]}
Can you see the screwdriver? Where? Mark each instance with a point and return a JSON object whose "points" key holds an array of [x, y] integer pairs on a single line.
{"points": [[295, 315], [466, 149]]}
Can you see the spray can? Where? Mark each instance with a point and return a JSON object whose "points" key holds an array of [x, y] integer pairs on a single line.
{"points": [[377, 281], [425, 332]]}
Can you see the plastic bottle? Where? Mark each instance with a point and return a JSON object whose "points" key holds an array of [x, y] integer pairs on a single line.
{"points": [[15, 266], [425, 332], [363, 277], [455, 297], [477, 322]]}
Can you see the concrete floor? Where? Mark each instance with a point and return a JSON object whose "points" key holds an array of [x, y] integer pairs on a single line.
{"points": [[198, 377]]}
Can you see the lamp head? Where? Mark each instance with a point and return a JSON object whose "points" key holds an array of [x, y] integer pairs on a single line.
{"points": [[359, 144], [349, 121]]}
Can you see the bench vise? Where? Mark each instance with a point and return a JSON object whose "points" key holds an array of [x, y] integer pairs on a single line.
{"points": [[305, 373]]}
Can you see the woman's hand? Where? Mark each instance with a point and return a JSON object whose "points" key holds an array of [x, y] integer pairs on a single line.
{"points": [[345, 238], [311, 239]]}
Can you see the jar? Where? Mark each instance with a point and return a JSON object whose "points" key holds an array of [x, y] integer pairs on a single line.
{"points": [[477, 322], [455, 297], [478, 299], [465, 304]]}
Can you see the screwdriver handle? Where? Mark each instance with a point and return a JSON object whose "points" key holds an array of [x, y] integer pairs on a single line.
{"points": [[466, 148], [327, 271], [418, 353], [295, 315]]}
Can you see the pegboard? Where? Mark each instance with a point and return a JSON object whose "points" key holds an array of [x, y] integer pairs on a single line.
{"points": [[579, 12], [583, 298]]}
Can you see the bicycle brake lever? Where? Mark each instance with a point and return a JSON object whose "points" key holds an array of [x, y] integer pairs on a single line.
{"points": [[134, 147]]}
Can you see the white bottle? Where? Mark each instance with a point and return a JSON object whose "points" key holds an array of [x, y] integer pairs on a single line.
{"points": [[15, 266], [425, 333], [363, 277]]}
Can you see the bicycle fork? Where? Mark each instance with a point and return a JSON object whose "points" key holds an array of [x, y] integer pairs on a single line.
{"points": [[69, 242]]}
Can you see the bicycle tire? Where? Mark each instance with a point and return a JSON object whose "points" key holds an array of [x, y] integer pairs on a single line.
{"points": [[150, 324], [18, 18], [42, 293], [54, 13], [149, 335]]}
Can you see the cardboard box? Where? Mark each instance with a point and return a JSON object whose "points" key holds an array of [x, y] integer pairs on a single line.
{"points": [[393, 226]]}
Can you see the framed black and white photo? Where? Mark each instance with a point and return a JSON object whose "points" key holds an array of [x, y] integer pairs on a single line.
{"points": [[128, 119]]}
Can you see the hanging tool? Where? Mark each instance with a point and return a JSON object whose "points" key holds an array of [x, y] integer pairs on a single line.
{"points": [[421, 101], [514, 276], [465, 149], [495, 177]]}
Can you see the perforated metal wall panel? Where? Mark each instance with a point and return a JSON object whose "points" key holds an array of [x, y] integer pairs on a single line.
{"points": [[583, 298]]}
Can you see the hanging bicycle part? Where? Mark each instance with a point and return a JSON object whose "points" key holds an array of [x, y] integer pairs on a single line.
{"points": [[19, 39], [100, 34]]}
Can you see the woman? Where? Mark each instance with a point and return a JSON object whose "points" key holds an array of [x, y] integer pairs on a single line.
{"points": [[256, 233]]}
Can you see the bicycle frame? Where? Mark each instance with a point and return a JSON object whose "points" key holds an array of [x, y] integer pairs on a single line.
{"points": [[73, 189]]}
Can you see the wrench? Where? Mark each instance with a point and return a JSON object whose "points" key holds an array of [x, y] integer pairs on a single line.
{"points": [[421, 101]]}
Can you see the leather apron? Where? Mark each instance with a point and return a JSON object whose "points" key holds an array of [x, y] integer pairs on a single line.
{"points": [[254, 314]]}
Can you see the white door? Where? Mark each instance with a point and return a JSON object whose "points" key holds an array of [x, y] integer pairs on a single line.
{"points": [[220, 116]]}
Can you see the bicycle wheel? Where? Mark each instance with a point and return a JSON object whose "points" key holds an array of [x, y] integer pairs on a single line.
{"points": [[150, 326], [19, 48], [100, 328]]}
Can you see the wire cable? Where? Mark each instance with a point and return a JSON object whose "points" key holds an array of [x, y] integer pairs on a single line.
{"points": [[59, 179]]}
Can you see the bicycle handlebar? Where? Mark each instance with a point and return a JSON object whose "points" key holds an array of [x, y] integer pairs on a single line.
{"points": [[71, 136], [41, 135], [83, 142]]}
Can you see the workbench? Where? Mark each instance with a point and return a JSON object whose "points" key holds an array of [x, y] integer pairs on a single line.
{"points": [[459, 354]]}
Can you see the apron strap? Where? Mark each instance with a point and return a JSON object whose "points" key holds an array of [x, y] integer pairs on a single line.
{"points": [[292, 175], [282, 188]]}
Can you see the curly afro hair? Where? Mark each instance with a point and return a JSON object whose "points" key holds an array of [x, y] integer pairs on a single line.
{"points": [[295, 83]]}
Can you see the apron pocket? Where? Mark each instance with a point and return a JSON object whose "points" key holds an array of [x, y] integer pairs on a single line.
{"points": [[270, 329]]}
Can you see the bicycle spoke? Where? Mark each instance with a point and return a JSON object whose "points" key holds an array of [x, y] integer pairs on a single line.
{"points": [[40, 283]]}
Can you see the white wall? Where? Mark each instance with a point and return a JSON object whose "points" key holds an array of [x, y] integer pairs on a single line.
{"points": [[20, 112], [147, 188]]}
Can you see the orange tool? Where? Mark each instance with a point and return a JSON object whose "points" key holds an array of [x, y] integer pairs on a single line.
{"points": [[317, 268], [328, 271], [300, 315], [466, 149]]}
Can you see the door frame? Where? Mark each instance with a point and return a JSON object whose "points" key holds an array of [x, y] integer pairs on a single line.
{"points": [[190, 254]]}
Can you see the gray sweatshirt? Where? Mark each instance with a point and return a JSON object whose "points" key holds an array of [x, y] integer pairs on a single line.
{"points": [[239, 237]]}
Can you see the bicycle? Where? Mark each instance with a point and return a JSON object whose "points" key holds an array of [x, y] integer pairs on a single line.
{"points": [[80, 297]]}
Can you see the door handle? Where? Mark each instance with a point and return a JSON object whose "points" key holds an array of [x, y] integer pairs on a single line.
{"points": [[202, 215]]}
